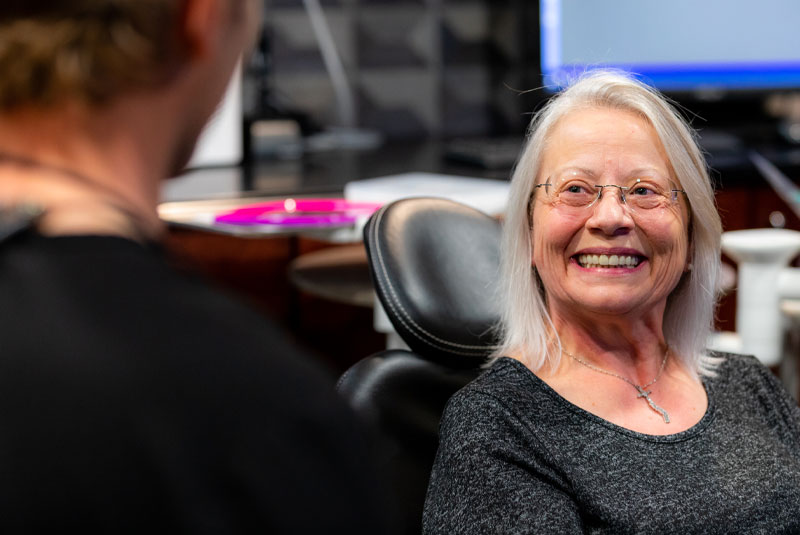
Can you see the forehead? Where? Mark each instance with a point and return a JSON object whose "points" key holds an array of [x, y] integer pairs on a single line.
{"points": [[602, 140]]}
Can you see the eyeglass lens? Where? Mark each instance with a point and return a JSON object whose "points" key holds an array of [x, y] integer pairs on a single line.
{"points": [[639, 193]]}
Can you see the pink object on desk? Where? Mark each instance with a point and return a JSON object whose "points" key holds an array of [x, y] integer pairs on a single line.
{"points": [[300, 212]]}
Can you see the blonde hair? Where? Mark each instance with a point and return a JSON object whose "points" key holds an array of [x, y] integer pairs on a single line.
{"points": [[85, 49], [525, 328]]}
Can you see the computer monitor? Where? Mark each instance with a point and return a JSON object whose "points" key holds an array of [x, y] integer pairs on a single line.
{"points": [[709, 47]]}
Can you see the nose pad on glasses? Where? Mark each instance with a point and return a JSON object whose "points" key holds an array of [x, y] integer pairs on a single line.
{"points": [[611, 219], [620, 193]]}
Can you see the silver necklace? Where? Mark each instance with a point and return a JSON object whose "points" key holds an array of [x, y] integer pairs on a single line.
{"points": [[642, 389]]}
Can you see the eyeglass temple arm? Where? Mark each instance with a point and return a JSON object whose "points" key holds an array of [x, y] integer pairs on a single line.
{"points": [[675, 193]]}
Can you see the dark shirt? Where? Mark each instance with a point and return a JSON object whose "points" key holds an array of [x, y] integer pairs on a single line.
{"points": [[135, 400], [516, 457]]}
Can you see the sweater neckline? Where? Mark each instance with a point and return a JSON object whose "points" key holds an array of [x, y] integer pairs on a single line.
{"points": [[686, 434]]}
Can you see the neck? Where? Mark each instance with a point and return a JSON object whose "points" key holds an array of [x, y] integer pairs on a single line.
{"points": [[88, 173], [633, 347]]}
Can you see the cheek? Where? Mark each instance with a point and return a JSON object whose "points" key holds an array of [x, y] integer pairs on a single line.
{"points": [[671, 242], [551, 236], [546, 249]]}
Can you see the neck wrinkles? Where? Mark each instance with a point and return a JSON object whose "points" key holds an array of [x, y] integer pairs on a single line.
{"points": [[630, 347]]}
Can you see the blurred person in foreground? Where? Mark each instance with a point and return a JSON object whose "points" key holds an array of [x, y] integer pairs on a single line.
{"points": [[132, 399], [603, 411]]}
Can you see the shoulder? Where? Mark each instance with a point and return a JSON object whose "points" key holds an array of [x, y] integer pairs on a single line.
{"points": [[124, 284], [742, 372], [187, 374], [505, 400], [120, 305], [489, 419], [744, 385], [737, 364], [504, 383], [493, 473]]}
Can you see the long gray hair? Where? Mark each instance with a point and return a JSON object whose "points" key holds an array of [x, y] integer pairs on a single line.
{"points": [[526, 329]]}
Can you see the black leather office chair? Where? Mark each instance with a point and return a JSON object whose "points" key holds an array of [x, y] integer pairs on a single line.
{"points": [[434, 265]]}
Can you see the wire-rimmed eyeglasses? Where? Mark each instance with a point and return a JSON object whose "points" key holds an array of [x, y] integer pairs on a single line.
{"points": [[641, 194]]}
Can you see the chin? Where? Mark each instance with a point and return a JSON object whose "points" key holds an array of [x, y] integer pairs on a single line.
{"points": [[605, 305], [609, 310]]}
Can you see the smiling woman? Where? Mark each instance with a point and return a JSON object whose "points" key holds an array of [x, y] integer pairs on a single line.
{"points": [[617, 147], [651, 142], [610, 259]]}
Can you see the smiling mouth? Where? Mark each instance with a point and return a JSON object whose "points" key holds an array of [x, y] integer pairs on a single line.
{"points": [[608, 261]]}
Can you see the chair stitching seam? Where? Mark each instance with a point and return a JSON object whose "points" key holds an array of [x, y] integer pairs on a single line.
{"points": [[406, 320]]}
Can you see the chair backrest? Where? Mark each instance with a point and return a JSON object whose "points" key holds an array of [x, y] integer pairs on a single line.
{"points": [[434, 265]]}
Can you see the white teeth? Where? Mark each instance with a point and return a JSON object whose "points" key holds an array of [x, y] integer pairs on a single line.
{"points": [[593, 260]]}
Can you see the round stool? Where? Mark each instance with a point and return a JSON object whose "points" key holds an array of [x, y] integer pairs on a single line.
{"points": [[340, 274]]}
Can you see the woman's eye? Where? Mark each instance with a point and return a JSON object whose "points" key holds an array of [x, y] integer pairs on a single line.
{"points": [[643, 190], [576, 188]]}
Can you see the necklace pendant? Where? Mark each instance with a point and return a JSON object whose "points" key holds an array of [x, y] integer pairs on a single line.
{"points": [[641, 389], [646, 395]]}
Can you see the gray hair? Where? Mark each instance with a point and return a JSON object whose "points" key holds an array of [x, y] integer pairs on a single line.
{"points": [[525, 327]]}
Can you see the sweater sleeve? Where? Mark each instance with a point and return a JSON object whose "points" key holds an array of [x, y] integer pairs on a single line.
{"points": [[779, 407], [491, 475]]}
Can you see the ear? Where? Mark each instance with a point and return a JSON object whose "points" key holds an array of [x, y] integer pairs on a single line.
{"points": [[200, 26]]}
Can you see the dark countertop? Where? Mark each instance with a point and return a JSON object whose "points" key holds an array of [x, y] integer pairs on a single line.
{"points": [[320, 173], [327, 172]]}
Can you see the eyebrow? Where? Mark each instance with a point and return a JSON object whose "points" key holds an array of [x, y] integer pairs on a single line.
{"points": [[591, 174], [649, 170], [581, 170]]}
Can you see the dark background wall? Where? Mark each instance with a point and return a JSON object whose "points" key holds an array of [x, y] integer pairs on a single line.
{"points": [[437, 69], [441, 68]]}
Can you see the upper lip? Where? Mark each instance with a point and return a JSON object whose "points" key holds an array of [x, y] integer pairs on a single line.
{"points": [[619, 251]]}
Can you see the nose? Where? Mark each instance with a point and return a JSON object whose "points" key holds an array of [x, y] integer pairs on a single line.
{"points": [[610, 215]]}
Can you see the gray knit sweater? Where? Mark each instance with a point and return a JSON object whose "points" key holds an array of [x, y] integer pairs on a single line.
{"points": [[515, 457]]}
